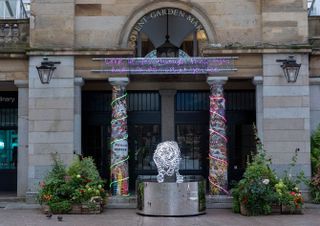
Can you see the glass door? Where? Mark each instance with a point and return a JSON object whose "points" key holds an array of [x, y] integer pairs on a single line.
{"points": [[8, 149], [8, 141]]}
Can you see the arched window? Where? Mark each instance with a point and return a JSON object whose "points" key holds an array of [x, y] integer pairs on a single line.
{"points": [[178, 27]]}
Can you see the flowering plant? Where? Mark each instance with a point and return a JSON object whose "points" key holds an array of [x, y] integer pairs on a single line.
{"points": [[287, 188], [255, 192], [291, 198], [78, 184]]}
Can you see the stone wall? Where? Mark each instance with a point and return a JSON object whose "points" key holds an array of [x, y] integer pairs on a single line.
{"points": [[52, 24], [13, 69], [51, 118], [284, 21], [103, 23], [314, 65], [314, 103], [286, 113]]}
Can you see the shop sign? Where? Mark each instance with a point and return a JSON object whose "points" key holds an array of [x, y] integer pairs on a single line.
{"points": [[8, 99], [120, 148]]}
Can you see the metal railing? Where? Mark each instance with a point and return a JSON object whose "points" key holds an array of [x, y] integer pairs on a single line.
{"points": [[12, 9]]}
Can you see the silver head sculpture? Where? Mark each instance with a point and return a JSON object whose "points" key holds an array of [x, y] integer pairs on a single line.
{"points": [[167, 159]]}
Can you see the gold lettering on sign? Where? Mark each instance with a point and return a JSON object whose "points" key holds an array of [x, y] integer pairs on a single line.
{"points": [[158, 13]]}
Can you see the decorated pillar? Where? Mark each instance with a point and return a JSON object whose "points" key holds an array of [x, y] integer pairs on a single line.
{"points": [[119, 138], [218, 158]]}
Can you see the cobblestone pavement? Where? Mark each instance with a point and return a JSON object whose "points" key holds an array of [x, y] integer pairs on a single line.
{"points": [[128, 217]]}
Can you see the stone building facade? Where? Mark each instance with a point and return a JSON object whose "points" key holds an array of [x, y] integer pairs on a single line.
{"points": [[67, 115]]}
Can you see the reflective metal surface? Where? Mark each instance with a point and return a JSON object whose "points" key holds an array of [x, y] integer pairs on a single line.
{"points": [[170, 198]]}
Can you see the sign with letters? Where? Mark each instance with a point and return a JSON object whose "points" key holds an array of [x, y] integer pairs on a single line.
{"points": [[8, 99], [156, 14]]}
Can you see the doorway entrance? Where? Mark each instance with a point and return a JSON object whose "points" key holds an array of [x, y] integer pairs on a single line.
{"points": [[8, 141]]}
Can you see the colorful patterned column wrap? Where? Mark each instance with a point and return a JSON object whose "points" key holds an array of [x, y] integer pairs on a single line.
{"points": [[218, 169], [119, 142]]}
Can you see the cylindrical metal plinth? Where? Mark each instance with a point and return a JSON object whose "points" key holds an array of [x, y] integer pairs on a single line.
{"points": [[170, 198]]}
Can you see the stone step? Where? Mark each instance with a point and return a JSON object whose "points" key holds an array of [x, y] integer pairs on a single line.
{"points": [[11, 199]]}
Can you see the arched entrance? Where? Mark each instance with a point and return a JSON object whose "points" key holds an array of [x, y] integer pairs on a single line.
{"points": [[182, 13]]}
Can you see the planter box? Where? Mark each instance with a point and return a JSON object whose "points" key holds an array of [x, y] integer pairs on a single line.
{"points": [[95, 206], [45, 208], [243, 210], [288, 210]]}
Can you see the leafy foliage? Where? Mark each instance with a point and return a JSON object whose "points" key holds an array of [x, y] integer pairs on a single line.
{"points": [[287, 188], [315, 150], [256, 190], [315, 163], [77, 184], [85, 167], [260, 188], [60, 207], [315, 187]]}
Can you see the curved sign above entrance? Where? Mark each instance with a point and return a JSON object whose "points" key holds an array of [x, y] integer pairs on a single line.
{"points": [[154, 25]]}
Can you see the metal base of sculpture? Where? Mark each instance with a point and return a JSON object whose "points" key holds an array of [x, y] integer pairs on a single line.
{"points": [[170, 199], [160, 196]]}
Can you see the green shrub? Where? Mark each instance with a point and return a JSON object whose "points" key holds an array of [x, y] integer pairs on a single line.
{"points": [[77, 184], [315, 163], [85, 167], [60, 207], [256, 190], [315, 150]]}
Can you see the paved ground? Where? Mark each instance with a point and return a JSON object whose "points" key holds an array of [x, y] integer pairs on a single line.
{"points": [[128, 217]]}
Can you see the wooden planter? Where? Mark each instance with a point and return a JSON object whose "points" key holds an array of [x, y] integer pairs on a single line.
{"points": [[94, 206], [243, 210], [288, 210], [87, 209], [45, 208]]}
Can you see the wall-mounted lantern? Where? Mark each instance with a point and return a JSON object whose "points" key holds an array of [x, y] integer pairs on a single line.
{"points": [[290, 68], [46, 70]]}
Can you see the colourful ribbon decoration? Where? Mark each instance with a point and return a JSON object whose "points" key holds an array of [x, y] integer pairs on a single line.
{"points": [[218, 140], [119, 160]]}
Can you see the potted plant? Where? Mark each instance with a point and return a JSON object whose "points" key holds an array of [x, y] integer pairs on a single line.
{"points": [[289, 195], [77, 189], [291, 201], [255, 193]]}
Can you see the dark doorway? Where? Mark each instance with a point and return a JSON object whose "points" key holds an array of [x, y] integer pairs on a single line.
{"points": [[192, 131], [8, 141], [241, 116], [144, 126], [96, 118]]}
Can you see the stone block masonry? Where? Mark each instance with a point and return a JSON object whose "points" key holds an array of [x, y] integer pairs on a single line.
{"points": [[286, 113], [51, 118]]}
